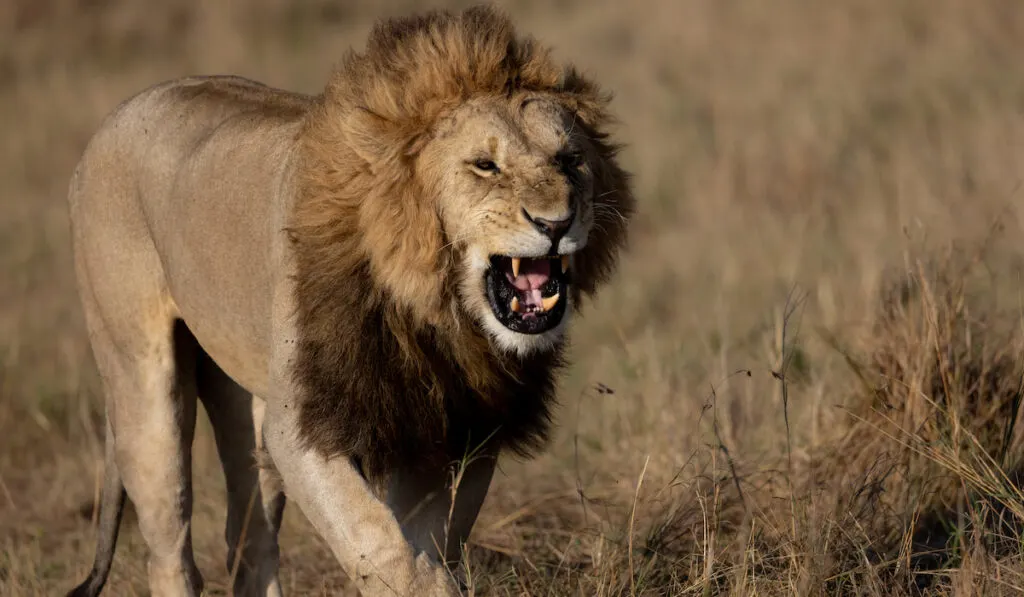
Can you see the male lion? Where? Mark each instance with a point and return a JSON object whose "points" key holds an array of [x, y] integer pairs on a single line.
{"points": [[367, 289]]}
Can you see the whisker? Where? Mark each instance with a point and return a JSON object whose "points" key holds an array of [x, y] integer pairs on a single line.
{"points": [[608, 209], [464, 237], [605, 206], [606, 193]]}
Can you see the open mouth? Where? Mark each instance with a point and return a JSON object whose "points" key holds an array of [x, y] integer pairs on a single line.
{"points": [[528, 295]]}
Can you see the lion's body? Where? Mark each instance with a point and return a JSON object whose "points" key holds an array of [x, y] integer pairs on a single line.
{"points": [[202, 198], [177, 212], [310, 268]]}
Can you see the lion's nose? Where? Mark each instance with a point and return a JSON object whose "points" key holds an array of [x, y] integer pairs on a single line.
{"points": [[553, 229]]}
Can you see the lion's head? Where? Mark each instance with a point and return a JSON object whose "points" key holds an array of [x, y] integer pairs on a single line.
{"points": [[515, 184], [476, 171]]}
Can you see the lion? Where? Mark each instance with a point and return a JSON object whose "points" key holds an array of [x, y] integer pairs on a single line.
{"points": [[368, 290]]}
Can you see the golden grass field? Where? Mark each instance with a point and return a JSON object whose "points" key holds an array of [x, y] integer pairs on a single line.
{"points": [[804, 380]]}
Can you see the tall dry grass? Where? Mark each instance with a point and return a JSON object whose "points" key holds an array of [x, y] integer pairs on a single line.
{"points": [[805, 379]]}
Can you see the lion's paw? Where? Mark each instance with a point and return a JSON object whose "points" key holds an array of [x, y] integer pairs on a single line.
{"points": [[433, 580]]}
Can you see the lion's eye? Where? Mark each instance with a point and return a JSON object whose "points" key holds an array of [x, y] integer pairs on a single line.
{"points": [[568, 161], [485, 165]]}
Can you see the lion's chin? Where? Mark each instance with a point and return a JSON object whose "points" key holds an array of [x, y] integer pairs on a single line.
{"points": [[507, 341]]}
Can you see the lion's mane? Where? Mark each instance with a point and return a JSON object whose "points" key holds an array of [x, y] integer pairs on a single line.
{"points": [[392, 371]]}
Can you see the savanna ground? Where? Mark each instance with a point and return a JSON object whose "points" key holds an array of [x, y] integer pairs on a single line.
{"points": [[804, 380]]}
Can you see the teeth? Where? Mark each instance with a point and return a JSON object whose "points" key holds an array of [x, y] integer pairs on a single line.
{"points": [[516, 262], [550, 302], [565, 263], [515, 304]]}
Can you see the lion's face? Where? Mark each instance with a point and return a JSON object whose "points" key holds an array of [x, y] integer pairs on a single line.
{"points": [[515, 185]]}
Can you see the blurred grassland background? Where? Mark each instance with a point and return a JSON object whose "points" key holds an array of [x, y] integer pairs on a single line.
{"points": [[805, 378]]}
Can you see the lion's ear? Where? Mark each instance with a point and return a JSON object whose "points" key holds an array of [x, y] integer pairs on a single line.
{"points": [[592, 114], [585, 100]]}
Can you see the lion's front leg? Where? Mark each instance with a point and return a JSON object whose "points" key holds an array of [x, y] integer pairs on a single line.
{"points": [[361, 530], [422, 503]]}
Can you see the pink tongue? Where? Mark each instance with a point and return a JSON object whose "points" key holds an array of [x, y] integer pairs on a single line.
{"points": [[533, 273], [531, 298]]}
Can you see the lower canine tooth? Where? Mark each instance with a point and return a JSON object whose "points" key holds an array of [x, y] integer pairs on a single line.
{"points": [[549, 303], [565, 263], [516, 262], [515, 304]]}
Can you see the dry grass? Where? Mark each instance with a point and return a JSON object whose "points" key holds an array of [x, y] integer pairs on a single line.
{"points": [[806, 379]]}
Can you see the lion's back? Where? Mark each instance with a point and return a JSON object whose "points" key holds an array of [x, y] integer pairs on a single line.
{"points": [[176, 116], [149, 135]]}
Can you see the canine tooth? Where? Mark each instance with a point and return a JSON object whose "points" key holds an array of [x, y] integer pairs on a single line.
{"points": [[549, 303], [516, 262], [565, 263], [515, 304]]}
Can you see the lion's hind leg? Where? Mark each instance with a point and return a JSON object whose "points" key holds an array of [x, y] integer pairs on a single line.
{"points": [[151, 404], [255, 499], [155, 415]]}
